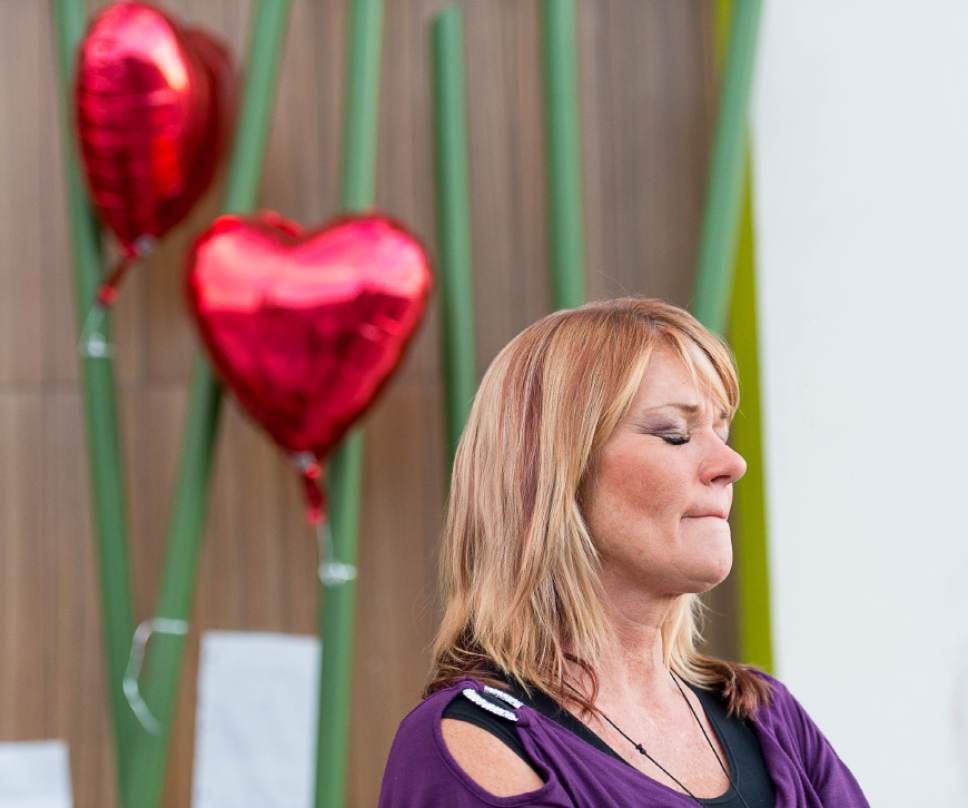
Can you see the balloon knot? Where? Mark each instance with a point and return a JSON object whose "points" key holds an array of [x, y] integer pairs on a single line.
{"points": [[106, 295]]}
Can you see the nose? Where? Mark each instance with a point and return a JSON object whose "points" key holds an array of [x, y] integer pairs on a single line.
{"points": [[724, 464]]}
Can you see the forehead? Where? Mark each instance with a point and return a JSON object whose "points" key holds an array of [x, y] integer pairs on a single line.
{"points": [[667, 380]]}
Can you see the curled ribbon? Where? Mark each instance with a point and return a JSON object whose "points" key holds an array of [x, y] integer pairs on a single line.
{"points": [[310, 470], [331, 572], [92, 342], [158, 625]]}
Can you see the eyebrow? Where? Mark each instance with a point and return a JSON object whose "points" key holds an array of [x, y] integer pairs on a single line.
{"points": [[692, 409]]}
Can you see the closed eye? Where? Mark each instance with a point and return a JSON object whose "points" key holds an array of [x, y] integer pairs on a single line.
{"points": [[675, 440]]}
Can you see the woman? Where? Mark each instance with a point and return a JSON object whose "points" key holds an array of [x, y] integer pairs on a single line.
{"points": [[587, 513]]}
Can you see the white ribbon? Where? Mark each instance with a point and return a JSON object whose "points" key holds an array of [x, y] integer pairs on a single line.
{"points": [[158, 625], [331, 573], [92, 343]]}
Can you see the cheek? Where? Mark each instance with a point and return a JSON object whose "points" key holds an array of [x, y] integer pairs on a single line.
{"points": [[648, 484], [633, 485]]}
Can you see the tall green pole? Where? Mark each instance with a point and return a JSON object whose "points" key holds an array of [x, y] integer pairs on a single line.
{"points": [[755, 623], [160, 683], [453, 222], [724, 197], [337, 595], [563, 151], [104, 454]]}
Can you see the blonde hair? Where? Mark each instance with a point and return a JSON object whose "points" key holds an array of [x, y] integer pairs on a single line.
{"points": [[519, 572]]}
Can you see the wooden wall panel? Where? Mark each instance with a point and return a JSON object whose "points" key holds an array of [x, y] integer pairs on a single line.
{"points": [[647, 100]]}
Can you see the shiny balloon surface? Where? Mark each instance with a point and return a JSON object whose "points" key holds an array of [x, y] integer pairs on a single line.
{"points": [[307, 327], [153, 103]]}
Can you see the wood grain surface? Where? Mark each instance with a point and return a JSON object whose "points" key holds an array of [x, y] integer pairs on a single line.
{"points": [[648, 101]]}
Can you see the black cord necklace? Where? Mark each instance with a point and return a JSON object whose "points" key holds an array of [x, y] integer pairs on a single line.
{"points": [[641, 749]]}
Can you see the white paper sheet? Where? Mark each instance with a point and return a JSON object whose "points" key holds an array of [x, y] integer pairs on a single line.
{"points": [[255, 726], [35, 774]]}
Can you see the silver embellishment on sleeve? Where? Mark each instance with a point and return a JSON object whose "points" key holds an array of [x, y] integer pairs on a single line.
{"points": [[516, 703], [490, 706]]}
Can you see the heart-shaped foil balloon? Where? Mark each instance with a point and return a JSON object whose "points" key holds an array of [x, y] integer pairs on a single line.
{"points": [[153, 102], [306, 328]]}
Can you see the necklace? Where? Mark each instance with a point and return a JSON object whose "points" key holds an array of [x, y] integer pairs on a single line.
{"points": [[641, 749]]}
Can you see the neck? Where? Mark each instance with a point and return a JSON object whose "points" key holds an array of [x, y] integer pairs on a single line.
{"points": [[633, 669]]}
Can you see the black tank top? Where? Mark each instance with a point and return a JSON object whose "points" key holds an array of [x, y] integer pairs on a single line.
{"points": [[744, 757]]}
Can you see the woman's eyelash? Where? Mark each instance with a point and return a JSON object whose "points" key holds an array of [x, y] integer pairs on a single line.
{"points": [[675, 440], [667, 433]]}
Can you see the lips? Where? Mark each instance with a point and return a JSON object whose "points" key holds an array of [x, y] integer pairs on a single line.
{"points": [[717, 514]]}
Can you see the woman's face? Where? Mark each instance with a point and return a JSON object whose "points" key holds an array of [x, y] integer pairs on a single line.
{"points": [[659, 476]]}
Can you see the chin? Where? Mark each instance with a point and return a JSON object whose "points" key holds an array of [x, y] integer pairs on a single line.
{"points": [[699, 585], [715, 561], [713, 573], [715, 580]]}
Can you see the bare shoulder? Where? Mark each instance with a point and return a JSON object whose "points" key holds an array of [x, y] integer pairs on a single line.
{"points": [[488, 760]]}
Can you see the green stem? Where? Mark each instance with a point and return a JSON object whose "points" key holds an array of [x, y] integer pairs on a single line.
{"points": [[337, 605], [104, 454], [564, 153], [755, 625], [160, 681], [337, 601], [720, 227], [453, 223]]}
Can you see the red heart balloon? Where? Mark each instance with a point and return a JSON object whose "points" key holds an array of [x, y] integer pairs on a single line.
{"points": [[153, 102], [306, 328]]}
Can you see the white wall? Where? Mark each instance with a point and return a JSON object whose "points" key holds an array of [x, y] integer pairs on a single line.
{"points": [[860, 128]]}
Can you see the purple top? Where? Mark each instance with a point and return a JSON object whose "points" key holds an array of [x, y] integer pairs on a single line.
{"points": [[421, 772]]}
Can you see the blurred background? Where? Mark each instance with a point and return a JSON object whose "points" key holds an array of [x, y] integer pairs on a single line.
{"points": [[858, 125]]}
